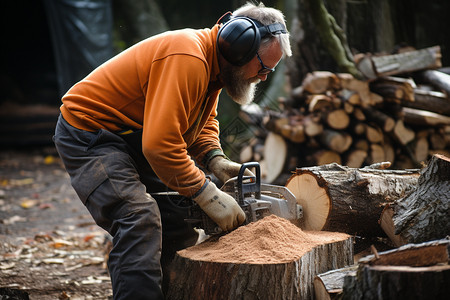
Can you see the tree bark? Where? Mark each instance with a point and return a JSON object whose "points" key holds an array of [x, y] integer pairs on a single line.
{"points": [[410, 272], [196, 279], [432, 101], [333, 37], [378, 66], [438, 79], [329, 285], [423, 117], [337, 198]]}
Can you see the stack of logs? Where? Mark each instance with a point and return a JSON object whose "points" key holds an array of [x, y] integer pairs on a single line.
{"points": [[400, 114]]}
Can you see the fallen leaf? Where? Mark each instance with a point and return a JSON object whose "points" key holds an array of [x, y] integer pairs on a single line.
{"points": [[58, 243], [49, 159], [6, 266], [27, 203], [46, 206], [14, 219]]}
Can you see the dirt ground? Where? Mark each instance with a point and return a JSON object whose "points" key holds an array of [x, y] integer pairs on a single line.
{"points": [[50, 248]]}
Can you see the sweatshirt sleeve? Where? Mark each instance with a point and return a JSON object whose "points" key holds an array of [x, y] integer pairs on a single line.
{"points": [[178, 85], [208, 139]]}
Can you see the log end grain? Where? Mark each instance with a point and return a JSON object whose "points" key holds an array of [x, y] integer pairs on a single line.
{"points": [[313, 198]]}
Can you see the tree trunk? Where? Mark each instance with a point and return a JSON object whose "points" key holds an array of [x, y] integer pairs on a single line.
{"points": [[424, 214], [247, 263], [337, 198]]}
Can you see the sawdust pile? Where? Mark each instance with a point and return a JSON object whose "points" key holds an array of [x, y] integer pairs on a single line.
{"points": [[268, 241]]}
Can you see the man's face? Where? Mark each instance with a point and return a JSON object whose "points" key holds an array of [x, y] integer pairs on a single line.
{"points": [[240, 82]]}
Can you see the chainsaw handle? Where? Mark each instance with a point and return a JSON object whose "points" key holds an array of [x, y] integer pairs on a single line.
{"points": [[254, 186]]}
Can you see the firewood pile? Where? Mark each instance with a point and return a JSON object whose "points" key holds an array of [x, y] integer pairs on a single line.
{"points": [[399, 114]]}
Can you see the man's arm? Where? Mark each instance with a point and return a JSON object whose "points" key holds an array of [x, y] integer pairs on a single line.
{"points": [[177, 83]]}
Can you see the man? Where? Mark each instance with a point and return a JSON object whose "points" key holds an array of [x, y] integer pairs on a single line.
{"points": [[144, 121]]}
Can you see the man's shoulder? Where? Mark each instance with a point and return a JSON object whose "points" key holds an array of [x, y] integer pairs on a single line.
{"points": [[193, 42]]}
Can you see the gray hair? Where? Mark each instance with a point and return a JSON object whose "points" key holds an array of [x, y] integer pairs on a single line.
{"points": [[266, 16]]}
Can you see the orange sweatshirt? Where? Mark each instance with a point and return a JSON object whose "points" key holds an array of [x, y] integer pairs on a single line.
{"points": [[166, 85]]}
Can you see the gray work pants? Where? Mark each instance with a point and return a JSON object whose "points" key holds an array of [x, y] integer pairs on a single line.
{"points": [[114, 181]]}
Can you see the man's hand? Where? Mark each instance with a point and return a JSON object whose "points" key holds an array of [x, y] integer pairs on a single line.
{"points": [[220, 207], [225, 169]]}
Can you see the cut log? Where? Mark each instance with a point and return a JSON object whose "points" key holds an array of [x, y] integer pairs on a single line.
{"points": [[421, 149], [296, 133], [438, 79], [336, 140], [347, 81], [312, 125], [348, 96], [376, 154], [385, 122], [356, 158], [437, 140], [378, 66], [359, 128], [337, 119], [337, 198], [414, 271], [319, 82], [329, 285], [374, 134], [246, 154], [429, 100], [281, 124], [403, 134], [267, 259], [422, 117], [319, 102], [358, 114], [323, 157], [348, 108], [422, 215], [389, 151], [275, 156], [394, 87]]}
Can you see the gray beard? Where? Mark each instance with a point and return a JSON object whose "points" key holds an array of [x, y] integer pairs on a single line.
{"points": [[242, 91]]}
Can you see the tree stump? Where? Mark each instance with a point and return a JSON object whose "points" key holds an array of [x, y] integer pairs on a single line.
{"points": [[413, 271], [268, 259], [342, 199], [424, 214]]}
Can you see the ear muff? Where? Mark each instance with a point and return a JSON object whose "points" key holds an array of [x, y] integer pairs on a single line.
{"points": [[238, 40]]}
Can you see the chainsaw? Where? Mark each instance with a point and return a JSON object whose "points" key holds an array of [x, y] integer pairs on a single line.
{"points": [[256, 199]]}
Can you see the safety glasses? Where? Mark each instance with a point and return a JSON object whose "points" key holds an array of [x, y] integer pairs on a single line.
{"points": [[264, 69]]}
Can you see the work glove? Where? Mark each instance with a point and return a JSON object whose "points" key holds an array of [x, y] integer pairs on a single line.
{"points": [[220, 207], [225, 169]]}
